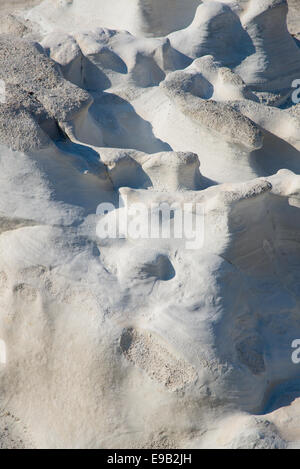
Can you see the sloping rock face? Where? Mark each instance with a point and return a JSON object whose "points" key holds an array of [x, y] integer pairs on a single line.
{"points": [[161, 339], [36, 95]]}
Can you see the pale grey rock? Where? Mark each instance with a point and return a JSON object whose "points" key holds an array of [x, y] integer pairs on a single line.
{"points": [[186, 90], [135, 342], [36, 95], [140, 17], [216, 30], [275, 63], [11, 24]]}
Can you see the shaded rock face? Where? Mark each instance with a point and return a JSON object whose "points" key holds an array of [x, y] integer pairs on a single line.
{"points": [[216, 29], [154, 20], [146, 341]]}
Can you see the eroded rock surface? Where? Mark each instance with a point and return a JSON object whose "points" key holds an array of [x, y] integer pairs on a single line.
{"points": [[149, 342]]}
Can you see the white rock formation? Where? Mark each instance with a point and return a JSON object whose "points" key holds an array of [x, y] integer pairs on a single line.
{"points": [[133, 343], [140, 17]]}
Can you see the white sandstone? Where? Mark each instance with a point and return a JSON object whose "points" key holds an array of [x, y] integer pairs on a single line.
{"points": [[132, 342]]}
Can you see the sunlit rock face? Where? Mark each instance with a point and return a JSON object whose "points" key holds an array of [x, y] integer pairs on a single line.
{"points": [[149, 341]]}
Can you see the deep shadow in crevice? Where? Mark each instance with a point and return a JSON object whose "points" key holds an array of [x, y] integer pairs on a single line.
{"points": [[275, 154], [281, 395], [122, 127]]}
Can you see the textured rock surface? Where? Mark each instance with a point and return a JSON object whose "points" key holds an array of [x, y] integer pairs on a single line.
{"points": [[116, 343]]}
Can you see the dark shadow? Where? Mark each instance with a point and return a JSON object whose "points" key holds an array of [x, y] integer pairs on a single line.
{"points": [[175, 60], [227, 40], [162, 269], [152, 9], [223, 37], [129, 173], [146, 72], [86, 155], [207, 182], [122, 127], [107, 59], [276, 154], [296, 41], [93, 78], [281, 395]]}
